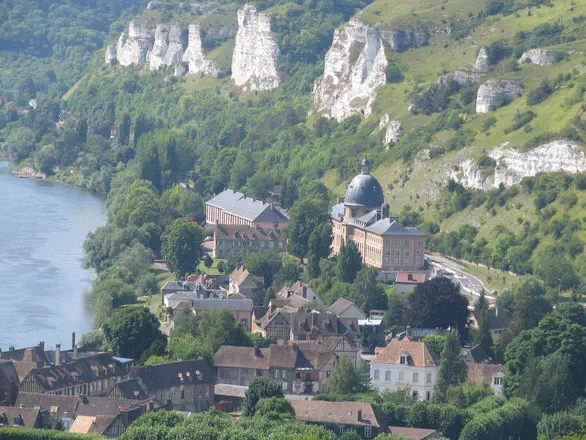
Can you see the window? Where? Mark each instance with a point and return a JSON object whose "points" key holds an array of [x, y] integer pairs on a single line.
{"points": [[428, 378], [398, 243], [397, 256], [401, 376], [182, 394], [208, 391], [341, 429], [276, 373], [388, 376], [285, 386], [376, 374], [407, 256], [367, 431], [199, 392], [403, 360], [415, 377], [284, 374], [498, 380], [407, 243], [428, 396], [415, 395]]}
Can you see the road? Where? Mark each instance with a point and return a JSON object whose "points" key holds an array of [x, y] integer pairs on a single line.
{"points": [[471, 286]]}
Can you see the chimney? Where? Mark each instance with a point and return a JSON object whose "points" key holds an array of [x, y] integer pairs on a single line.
{"points": [[11, 348], [42, 345], [75, 351], [304, 290], [410, 276], [385, 210], [57, 354], [73, 340], [359, 415]]}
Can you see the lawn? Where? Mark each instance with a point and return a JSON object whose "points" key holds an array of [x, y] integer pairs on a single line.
{"points": [[499, 279], [212, 270]]}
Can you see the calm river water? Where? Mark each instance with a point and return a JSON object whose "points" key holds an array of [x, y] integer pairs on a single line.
{"points": [[42, 281]]}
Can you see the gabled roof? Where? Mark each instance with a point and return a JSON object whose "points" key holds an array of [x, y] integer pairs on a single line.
{"points": [[241, 274], [418, 354], [337, 211], [34, 355], [390, 226], [484, 372], [28, 416], [81, 370], [62, 406], [8, 370], [174, 374], [341, 305], [414, 433], [339, 413], [246, 207], [243, 357], [476, 354]]}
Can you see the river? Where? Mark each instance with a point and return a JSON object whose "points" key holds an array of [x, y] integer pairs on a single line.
{"points": [[42, 280]]}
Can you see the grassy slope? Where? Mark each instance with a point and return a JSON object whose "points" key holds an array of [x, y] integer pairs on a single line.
{"points": [[423, 178]]}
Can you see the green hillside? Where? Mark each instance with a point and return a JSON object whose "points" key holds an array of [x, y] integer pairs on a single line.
{"points": [[208, 133]]}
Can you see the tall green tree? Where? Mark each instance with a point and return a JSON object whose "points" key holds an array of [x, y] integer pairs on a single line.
{"points": [[452, 369], [149, 166], [130, 331], [530, 304], [260, 388], [320, 242], [182, 246], [304, 217], [482, 335], [349, 262], [347, 379]]}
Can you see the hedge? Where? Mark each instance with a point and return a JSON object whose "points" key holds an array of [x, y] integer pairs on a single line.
{"points": [[43, 434]]}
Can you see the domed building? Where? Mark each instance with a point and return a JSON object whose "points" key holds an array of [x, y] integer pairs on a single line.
{"points": [[363, 217]]}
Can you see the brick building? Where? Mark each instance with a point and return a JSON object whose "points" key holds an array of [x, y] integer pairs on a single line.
{"points": [[363, 217]]}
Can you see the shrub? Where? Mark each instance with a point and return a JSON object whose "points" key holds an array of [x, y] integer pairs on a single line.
{"points": [[540, 94]]}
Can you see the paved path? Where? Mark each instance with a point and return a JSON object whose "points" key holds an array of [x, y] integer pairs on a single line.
{"points": [[471, 286]]}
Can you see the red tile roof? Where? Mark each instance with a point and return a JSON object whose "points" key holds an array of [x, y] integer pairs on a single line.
{"points": [[484, 372], [418, 354], [341, 413], [410, 278]]}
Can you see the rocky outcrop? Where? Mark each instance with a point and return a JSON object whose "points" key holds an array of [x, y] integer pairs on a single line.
{"points": [[255, 57], [512, 165], [393, 129], [540, 57], [194, 56], [111, 54], [467, 76], [355, 68], [134, 45], [167, 48], [163, 46], [495, 93]]}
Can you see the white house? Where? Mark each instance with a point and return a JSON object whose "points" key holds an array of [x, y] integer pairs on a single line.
{"points": [[405, 364]]}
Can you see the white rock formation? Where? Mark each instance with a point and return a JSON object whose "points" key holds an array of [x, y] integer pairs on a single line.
{"points": [[135, 44], [492, 92], [393, 129], [156, 56], [481, 65], [255, 57], [111, 54], [539, 56], [355, 68], [195, 57], [513, 165]]}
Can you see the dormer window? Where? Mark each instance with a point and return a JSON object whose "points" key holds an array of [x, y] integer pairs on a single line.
{"points": [[403, 359]]}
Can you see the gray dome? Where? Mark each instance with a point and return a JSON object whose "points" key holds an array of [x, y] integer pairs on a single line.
{"points": [[364, 190]]}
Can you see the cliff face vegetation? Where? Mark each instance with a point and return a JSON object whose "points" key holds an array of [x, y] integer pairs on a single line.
{"points": [[460, 105]]}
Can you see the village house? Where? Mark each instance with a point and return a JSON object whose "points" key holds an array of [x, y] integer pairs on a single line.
{"points": [[299, 368], [246, 240], [90, 376], [344, 308], [11, 417], [229, 398], [405, 364], [407, 281], [363, 217], [340, 417], [291, 323], [300, 289], [234, 208], [87, 415], [498, 320], [415, 433], [482, 368], [243, 283], [241, 308], [181, 385]]}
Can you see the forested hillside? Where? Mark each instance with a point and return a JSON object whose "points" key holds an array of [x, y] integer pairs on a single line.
{"points": [[441, 171]]}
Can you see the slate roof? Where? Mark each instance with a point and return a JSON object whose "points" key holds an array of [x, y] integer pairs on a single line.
{"points": [[413, 433], [242, 357], [246, 207], [81, 370], [30, 354], [326, 324], [364, 190], [391, 227], [337, 211], [63, 406], [418, 354], [339, 413], [174, 374], [476, 354], [248, 233], [131, 389], [8, 370], [29, 416]]}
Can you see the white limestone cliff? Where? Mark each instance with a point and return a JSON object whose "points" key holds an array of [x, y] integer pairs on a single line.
{"points": [[492, 93], [195, 57], [481, 65], [393, 129], [163, 46], [512, 165], [134, 45], [255, 56], [469, 75], [539, 56], [355, 67]]}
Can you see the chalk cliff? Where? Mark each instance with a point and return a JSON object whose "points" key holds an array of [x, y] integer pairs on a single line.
{"points": [[255, 57]]}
